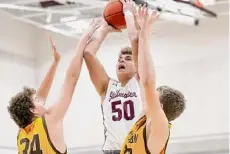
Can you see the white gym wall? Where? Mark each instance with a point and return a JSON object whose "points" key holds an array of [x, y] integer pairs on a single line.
{"points": [[17, 67], [191, 59]]}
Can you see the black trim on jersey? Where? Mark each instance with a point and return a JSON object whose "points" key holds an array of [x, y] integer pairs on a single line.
{"points": [[48, 137], [141, 124], [145, 142], [166, 144], [139, 120]]}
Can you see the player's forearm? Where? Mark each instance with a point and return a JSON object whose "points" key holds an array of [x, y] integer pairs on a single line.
{"points": [[145, 63], [58, 111], [44, 89], [76, 64], [135, 48], [95, 42], [133, 37], [147, 76], [97, 72], [71, 78], [131, 28], [82, 44]]}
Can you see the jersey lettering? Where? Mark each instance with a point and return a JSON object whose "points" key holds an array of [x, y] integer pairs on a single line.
{"points": [[128, 150], [133, 139]]}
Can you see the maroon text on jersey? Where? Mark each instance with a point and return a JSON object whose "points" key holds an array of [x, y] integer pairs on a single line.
{"points": [[120, 94]]}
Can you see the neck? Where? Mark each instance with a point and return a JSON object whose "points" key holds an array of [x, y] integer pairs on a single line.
{"points": [[124, 81]]}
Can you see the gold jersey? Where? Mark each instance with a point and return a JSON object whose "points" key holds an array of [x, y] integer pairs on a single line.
{"points": [[135, 142], [34, 139]]}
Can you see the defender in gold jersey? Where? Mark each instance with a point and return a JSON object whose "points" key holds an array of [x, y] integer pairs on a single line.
{"points": [[41, 129], [34, 138], [150, 134]]}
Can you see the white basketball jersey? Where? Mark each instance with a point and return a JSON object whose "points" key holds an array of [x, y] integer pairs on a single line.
{"points": [[121, 109]]}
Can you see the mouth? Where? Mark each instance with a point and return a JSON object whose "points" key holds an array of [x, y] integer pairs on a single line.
{"points": [[121, 67]]}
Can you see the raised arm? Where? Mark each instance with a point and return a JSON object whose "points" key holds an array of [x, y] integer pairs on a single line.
{"points": [[132, 28], [44, 88], [73, 72], [134, 24], [97, 73], [158, 128]]}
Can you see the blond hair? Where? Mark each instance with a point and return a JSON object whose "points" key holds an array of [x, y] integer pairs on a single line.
{"points": [[125, 50]]}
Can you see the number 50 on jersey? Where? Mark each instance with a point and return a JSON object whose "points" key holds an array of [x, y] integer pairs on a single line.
{"points": [[122, 110]]}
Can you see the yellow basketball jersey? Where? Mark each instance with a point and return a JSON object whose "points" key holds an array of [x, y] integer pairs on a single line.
{"points": [[135, 142], [34, 139]]}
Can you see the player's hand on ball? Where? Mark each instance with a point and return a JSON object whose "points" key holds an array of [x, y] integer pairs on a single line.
{"points": [[56, 54], [107, 28]]}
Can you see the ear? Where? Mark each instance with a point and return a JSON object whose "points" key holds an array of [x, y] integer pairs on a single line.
{"points": [[33, 111]]}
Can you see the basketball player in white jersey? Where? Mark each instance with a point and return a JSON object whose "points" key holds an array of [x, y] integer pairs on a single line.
{"points": [[120, 99], [41, 128]]}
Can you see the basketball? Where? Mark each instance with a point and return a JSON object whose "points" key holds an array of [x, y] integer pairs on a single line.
{"points": [[114, 15]]}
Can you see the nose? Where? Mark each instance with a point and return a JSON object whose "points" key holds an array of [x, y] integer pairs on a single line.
{"points": [[122, 60]]}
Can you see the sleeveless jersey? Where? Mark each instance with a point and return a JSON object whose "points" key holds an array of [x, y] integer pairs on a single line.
{"points": [[121, 108], [136, 142], [34, 139]]}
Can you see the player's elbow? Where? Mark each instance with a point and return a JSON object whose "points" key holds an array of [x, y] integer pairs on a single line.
{"points": [[147, 82], [72, 77], [88, 53], [147, 78]]}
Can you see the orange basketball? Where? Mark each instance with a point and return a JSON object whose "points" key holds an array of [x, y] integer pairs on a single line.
{"points": [[114, 15]]}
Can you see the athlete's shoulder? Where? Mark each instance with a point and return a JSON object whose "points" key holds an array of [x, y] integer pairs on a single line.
{"points": [[134, 80], [38, 119]]}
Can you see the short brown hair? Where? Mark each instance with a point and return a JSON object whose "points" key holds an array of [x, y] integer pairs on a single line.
{"points": [[173, 102], [20, 105], [125, 50]]}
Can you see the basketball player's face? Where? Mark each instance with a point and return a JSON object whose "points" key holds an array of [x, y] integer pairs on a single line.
{"points": [[40, 108], [125, 66]]}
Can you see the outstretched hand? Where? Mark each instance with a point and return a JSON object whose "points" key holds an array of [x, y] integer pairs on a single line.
{"points": [[129, 5], [139, 15], [146, 19], [56, 54]]}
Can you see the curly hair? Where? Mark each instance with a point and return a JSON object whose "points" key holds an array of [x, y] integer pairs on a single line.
{"points": [[173, 102], [20, 107]]}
